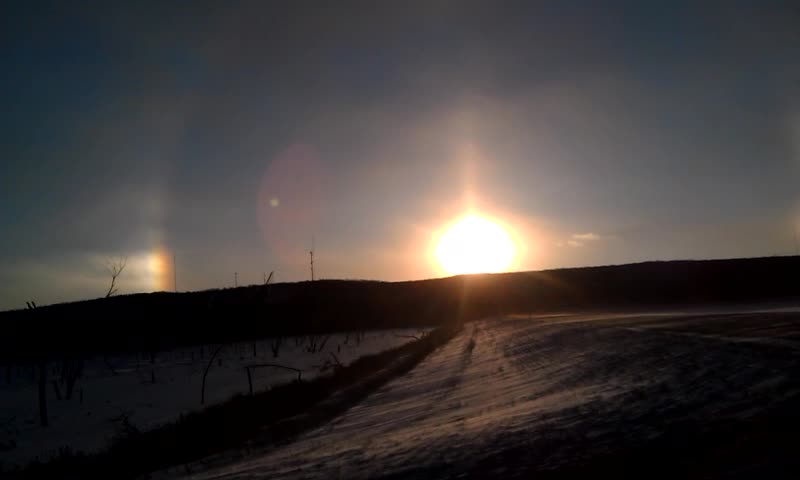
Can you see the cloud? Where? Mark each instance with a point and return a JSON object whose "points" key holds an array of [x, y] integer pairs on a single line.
{"points": [[586, 236], [578, 240]]}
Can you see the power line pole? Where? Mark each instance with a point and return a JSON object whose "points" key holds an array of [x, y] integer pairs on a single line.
{"points": [[311, 253], [175, 272], [235, 279]]}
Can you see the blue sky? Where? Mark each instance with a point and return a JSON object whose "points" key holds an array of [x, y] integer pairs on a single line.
{"points": [[599, 132]]}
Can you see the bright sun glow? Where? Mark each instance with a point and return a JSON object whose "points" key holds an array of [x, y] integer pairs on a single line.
{"points": [[474, 245]]}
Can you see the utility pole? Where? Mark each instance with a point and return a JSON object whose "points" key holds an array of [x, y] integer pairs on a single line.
{"points": [[175, 271], [235, 279], [311, 253]]}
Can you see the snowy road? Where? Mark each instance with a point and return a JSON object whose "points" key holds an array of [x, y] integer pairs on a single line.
{"points": [[514, 396]]}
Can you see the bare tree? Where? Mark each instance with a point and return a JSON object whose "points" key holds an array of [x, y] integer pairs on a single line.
{"points": [[420, 335], [275, 345], [327, 365], [313, 343], [71, 371], [42, 367], [115, 266], [43, 392], [249, 369], [205, 374]]}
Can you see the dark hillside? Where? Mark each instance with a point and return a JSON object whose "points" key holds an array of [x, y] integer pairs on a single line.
{"points": [[162, 320]]}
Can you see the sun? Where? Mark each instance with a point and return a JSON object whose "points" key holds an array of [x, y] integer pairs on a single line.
{"points": [[474, 245]]}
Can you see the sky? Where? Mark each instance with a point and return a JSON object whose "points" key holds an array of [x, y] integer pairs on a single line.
{"points": [[226, 138]]}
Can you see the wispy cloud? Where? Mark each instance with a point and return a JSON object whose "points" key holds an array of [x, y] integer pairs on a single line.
{"points": [[586, 236], [578, 240]]}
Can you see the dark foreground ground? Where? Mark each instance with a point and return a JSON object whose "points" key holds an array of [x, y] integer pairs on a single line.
{"points": [[668, 395]]}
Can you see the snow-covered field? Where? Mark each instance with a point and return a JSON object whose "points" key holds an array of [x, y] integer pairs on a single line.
{"points": [[143, 391], [510, 397]]}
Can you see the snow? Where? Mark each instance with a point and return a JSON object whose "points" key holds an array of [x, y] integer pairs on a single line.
{"points": [[521, 393], [88, 424]]}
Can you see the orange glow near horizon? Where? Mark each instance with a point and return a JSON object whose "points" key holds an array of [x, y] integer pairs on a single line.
{"points": [[474, 244], [159, 266]]}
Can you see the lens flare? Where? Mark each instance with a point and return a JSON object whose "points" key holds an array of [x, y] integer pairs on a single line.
{"points": [[474, 245]]}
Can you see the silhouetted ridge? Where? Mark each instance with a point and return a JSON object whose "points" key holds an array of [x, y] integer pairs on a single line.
{"points": [[163, 320]]}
